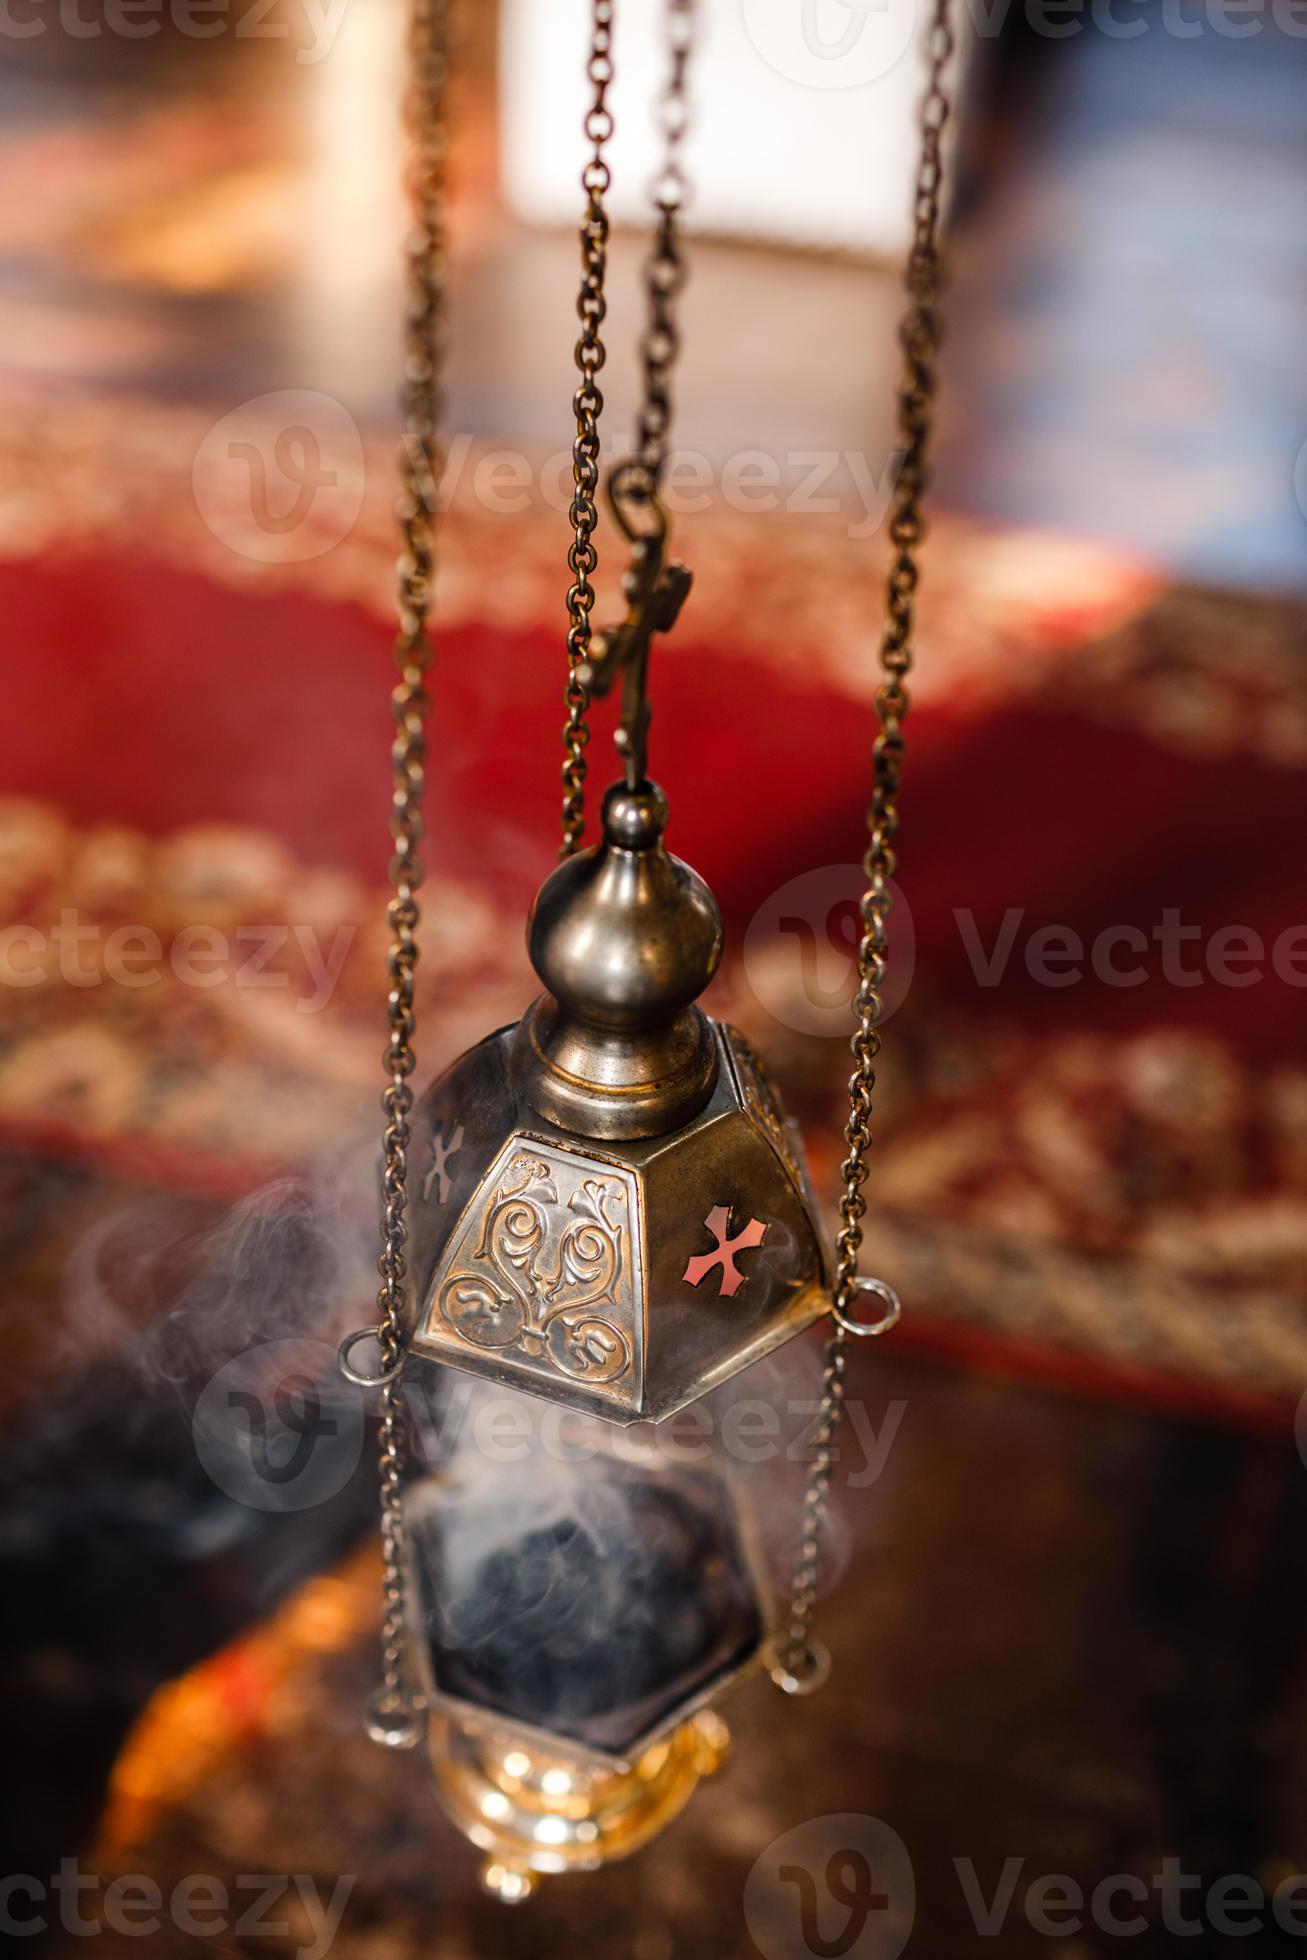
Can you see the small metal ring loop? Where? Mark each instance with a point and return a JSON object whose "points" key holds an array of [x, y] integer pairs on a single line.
{"points": [[352, 1374], [870, 1329], [802, 1673], [393, 1719]]}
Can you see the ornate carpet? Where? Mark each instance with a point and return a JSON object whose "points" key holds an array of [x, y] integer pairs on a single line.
{"points": [[1094, 1177]]}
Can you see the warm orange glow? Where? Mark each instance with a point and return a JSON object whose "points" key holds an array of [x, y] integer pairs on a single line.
{"points": [[246, 1690]]}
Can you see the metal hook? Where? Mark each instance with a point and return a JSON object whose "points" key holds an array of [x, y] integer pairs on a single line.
{"points": [[630, 489], [655, 593]]}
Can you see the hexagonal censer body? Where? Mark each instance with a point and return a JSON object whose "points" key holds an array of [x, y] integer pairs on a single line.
{"points": [[614, 1211], [571, 1631]]}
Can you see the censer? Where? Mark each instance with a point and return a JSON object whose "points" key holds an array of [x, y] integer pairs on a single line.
{"points": [[613, 1212]]}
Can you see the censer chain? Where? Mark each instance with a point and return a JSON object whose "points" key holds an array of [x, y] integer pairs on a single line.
{"points": [[665, 269], [801, 1663], [394, 1711], [637, 478], [587, 405]]}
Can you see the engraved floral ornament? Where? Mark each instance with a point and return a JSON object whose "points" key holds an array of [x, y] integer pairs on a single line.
{"points": [[543, 1263]]}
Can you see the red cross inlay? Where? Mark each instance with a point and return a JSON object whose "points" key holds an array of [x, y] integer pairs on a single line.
{"points": [[718, 1222]]}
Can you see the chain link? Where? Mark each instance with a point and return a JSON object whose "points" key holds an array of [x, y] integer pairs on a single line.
{"points": [[587, 405], [801, 1664], [665, 270], [393, 1714]]}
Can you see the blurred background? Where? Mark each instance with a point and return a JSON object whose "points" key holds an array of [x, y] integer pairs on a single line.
{"points": [[1069, 1623]]}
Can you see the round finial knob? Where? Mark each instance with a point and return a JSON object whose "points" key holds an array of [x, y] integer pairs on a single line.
{"points": [[625, 935], [634, 819], [625, 938]]}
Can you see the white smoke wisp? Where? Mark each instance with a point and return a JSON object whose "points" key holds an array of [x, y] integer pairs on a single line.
{"points": [[578, 1576]]}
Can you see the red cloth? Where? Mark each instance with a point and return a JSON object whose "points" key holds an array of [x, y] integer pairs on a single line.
{"points": [[140, 694]]}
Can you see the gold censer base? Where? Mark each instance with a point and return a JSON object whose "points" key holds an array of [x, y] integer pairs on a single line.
{"points": [[532, 1812]]}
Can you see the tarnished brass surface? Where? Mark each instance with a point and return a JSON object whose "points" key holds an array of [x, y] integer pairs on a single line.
{"points": [[603, 1275], [615, 1212], [544, 1265], [624, 938]]}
